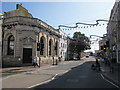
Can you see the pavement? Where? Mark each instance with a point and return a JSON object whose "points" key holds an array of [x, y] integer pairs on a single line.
{"points": [[25, 68], [114, 76], [49, 75], [28, 76], [111, 76]]}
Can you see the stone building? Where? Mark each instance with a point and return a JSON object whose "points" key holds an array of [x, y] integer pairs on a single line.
{"points": [[113, 31], [25, 37]]}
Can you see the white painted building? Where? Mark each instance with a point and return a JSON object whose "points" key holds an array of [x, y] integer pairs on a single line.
{"points": [[63, 46]]}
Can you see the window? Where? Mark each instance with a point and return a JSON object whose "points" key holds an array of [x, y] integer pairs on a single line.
{"points": [[10, 50], [41, 46], [61, 53], [61, 44], [56, 45], [50, 46]]}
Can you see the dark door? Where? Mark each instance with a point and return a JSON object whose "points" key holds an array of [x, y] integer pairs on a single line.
{"points": [[27, 55]]}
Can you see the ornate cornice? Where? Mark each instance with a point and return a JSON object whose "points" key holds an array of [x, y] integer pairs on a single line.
{"points": [[32, 22]]}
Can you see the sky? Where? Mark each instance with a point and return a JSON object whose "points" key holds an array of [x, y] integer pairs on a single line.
{"points": [[68, 13]]}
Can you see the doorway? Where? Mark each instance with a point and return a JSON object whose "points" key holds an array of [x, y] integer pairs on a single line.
{"points": [[27, 55]]}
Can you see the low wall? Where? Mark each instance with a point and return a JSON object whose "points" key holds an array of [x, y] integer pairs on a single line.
{"points": [[10, 61]]}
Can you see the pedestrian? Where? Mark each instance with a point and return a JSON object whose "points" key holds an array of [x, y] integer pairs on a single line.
{"points": [[111, 66], [93, 67], [56, 62], [34, 61], [38, 60], [106, 62], [59, 59], [97, 65]]}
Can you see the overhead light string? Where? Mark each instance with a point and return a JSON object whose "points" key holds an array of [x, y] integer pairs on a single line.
{"points": [[76, 24]]}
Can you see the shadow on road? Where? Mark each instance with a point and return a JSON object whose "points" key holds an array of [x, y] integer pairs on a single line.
{"points": [[81, 76]]}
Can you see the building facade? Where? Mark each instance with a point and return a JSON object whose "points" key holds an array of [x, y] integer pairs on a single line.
{"points": [[113, 32], [63, 54], [103, 49], [25, 37]]}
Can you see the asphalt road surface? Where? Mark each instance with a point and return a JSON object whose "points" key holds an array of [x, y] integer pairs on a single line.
{"points": [[80, 76]]}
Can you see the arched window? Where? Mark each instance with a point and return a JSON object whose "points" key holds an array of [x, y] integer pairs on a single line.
{"points": [[41, 46], [56, 49], [50, 47], [10, 50]]}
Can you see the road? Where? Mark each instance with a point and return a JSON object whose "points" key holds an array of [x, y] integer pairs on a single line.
{"points": [[69, 74], [80, 76]]}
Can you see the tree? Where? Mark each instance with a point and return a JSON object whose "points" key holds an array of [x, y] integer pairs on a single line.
{"points": [[78, 35], [79, 43]]}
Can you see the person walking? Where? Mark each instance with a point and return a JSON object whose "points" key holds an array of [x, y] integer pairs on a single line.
{"points": [[34, 62], [98, 65], [111, 66], [38, 60]]}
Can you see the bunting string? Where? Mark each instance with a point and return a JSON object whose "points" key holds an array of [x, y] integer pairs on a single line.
{"points": [[87, 25], [82, 27]]}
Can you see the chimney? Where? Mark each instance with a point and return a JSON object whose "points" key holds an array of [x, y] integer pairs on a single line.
{"points": [[17, 6]]}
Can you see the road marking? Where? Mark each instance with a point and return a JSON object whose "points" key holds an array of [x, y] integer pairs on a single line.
{"points": [[64, 72], [43, 81], [49, 79], [110, 81]]}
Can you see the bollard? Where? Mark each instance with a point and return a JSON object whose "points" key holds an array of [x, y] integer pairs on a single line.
{"points": [[56, 62], [53, 61]]}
